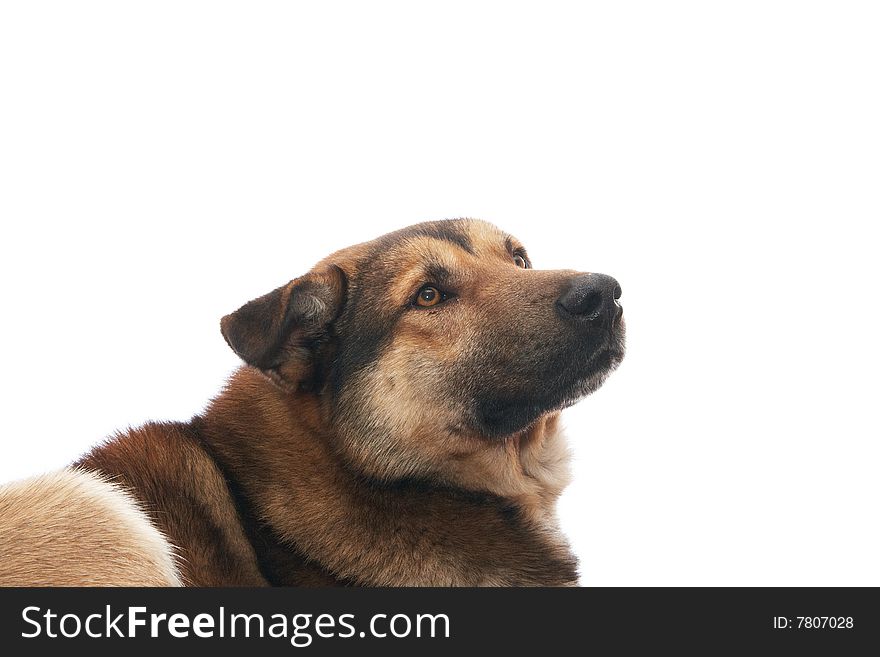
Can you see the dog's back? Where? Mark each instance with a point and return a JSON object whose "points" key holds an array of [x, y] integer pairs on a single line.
{"points": [[73, 528]]}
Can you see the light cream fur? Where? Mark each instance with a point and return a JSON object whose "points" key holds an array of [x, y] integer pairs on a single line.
{"points": [[73, 528]]}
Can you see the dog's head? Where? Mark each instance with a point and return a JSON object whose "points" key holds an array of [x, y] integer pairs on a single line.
{"points": [[430, 342]]}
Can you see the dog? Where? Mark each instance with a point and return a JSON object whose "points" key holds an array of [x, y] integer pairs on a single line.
{"points": [[395, 423]]}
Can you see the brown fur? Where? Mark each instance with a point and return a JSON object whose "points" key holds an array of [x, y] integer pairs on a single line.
{"points": [[369, 441]]}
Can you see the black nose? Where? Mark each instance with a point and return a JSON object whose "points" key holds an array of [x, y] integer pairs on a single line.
{"points": [[592, 298]]}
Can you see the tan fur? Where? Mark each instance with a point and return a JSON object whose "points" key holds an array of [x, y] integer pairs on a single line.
{"points": [[73, 528]]}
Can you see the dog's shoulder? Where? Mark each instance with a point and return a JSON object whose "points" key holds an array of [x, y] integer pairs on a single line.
{"points": [[168, 469]]}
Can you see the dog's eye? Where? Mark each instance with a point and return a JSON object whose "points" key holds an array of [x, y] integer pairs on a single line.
{"points": [[429, 296], [520, 261]]}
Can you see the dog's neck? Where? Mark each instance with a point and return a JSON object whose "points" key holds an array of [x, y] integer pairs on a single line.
{"points": [[494, 526], [529, 469]]}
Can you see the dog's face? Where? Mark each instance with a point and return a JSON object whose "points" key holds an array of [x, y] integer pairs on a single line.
{"points": [[430, 343]]}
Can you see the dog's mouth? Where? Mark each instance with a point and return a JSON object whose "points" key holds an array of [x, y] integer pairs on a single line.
{"points": [[514, 414]]}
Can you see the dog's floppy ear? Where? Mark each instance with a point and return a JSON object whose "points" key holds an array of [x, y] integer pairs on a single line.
{"points": [[281, 332]]}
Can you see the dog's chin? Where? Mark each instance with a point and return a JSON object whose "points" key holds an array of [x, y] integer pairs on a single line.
{"points": [[600, 367], [608, 361], [512, 417]]}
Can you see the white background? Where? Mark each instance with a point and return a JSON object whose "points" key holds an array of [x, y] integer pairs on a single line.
{"points": [[162, 163]]}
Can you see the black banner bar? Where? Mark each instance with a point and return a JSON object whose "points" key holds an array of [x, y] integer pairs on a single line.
{"points": [[437, 621]]}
